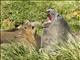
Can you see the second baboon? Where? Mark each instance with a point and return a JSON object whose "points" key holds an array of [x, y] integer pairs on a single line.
{"points": [[25, 34]]}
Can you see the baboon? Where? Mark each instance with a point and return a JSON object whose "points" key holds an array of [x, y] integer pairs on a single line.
{"points": [[24, 35], [55, 31]]}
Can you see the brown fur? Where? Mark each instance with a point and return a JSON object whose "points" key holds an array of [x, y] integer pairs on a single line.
{"points": [[25, 35]]}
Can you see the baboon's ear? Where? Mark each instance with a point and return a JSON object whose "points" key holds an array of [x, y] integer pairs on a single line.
{"points": [[27, 22], [19, 27]]}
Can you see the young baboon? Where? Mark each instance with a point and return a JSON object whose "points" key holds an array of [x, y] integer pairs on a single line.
{"points": [[24, 35]]}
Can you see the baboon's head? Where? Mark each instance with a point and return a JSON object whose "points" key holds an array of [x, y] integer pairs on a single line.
{"points": [[52, 14], [27, 32], [28, 27]]}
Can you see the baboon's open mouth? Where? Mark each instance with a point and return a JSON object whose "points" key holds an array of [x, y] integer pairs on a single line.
{"points": [[50, 17]]}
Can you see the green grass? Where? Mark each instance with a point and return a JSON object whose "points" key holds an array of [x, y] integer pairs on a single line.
{"points": [[20, 11], [18, 51]]}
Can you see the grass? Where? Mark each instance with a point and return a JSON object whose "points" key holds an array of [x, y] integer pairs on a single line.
{"points": [[20, 11], [18, 51]]}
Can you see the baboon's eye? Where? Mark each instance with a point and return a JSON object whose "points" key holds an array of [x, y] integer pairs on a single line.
{"points": [[25, 27], [58, 15], [48, 11], [32, 27]]}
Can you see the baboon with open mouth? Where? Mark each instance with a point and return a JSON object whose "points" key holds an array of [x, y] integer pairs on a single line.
{"points": [[55, 30]]}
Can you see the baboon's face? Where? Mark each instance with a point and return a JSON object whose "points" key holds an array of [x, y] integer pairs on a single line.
{"points": [[28, 28], [52, 14]]}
